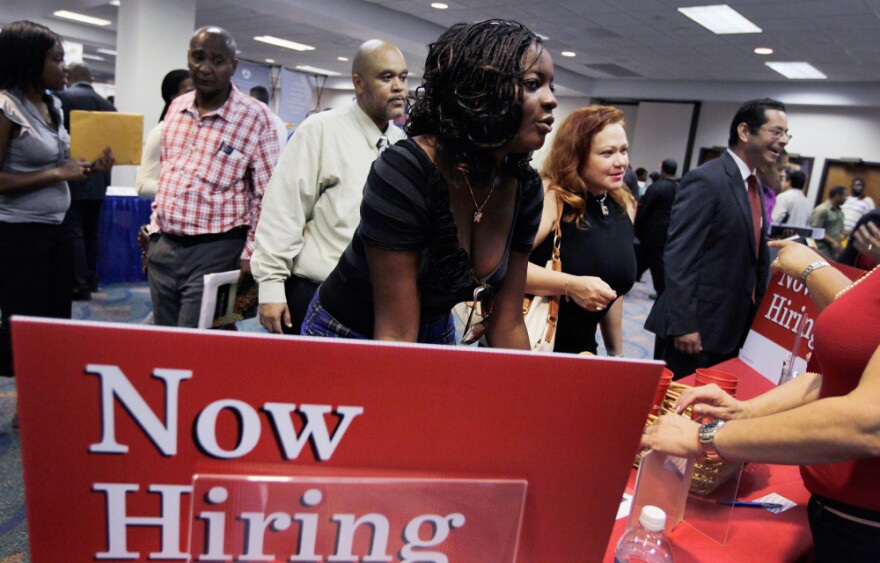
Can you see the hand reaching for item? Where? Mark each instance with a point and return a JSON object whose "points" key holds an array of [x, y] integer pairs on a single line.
{"points": [[793, 257]]}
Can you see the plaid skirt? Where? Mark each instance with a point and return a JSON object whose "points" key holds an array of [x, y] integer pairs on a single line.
{"points": [[319, 322]]}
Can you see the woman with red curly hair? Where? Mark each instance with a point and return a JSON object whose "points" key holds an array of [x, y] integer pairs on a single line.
{"points": [[584, 172]]}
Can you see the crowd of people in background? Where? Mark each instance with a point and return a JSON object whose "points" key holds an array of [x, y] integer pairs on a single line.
{"points": [[358, 229]]}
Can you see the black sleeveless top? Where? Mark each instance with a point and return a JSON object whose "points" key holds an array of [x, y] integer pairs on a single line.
{"points": [[605, 250], [406, 208]]}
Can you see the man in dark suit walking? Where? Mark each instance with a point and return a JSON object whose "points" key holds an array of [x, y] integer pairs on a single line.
{"points": [[716, 256], [87, 196], [652, 221]]}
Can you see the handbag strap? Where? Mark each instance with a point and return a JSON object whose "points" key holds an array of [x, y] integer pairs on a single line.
{"points": [[556, 265]]}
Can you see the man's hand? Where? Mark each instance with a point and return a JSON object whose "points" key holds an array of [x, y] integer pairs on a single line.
{"points": [[272, 315], [689, 343]]}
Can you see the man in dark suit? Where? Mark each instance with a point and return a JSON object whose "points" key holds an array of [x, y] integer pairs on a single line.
{"points": [[87, 196], [652, 221], [716, 257]]}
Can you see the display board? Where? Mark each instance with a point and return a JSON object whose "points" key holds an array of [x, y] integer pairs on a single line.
{"points": [[117, 422], [786, 311], [248, 74]]}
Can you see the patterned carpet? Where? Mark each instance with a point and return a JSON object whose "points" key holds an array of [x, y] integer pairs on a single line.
{"points": [[130, 303]]}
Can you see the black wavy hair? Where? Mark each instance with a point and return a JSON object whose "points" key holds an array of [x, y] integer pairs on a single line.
{"points": [[23, 48], [171, 86], [471, 95]]}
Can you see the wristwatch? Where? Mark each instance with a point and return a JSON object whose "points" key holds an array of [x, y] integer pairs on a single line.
{"points": [[814, 266], [707, 439]]}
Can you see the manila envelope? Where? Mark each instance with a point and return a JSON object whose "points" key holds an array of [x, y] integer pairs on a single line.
{"points": [[92, 131]]}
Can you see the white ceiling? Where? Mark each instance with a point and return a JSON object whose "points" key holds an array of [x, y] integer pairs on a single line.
{"points": [[644, 41]]}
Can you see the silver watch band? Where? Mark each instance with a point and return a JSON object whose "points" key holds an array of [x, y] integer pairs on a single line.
{"points": [[707, 439], [812, 267]]}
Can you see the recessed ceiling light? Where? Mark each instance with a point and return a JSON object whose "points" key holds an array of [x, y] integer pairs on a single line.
{"points": [[439, 5], [270, 61], [543, 37], [283, 43], [763, 51], [82, 18], [720, 19], [797, 71], [316, 70], [568, 54], [92, 57], [110, 52], [115, 2], [343, 59]]}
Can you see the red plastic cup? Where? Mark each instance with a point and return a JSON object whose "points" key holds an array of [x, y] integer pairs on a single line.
{"points": [[724, 380], [662, 387], [706, 376]]}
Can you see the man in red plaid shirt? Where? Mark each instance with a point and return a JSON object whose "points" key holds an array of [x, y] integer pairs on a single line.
{"points": [[218, 151]]}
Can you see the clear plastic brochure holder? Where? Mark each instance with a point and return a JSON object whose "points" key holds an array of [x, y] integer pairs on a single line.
{"points": [[665, 481], [662, 481], [262, 517]]}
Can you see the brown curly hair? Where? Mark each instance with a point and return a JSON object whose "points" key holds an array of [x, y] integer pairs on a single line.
{"points": [[570, 148]]}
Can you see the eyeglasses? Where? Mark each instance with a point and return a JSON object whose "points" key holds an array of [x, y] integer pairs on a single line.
{"points": [[778, 132], [483, 300]]}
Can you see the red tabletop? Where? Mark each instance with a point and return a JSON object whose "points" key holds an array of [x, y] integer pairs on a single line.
{"points": [[754, 532]]}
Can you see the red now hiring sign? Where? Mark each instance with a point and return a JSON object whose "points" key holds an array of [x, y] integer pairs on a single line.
{"points": [[786, 311], [149, 444], [277, 518]]}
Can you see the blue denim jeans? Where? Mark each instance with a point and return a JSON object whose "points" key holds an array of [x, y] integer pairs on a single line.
{"points": [[319, 322]]}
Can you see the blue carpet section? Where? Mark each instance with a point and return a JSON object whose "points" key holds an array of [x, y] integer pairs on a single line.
{"points": [[130, 303]]}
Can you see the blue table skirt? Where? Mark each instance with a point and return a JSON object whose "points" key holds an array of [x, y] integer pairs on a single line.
{"points": [[119, 258]]}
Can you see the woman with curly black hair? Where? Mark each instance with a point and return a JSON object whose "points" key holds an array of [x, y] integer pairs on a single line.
{"points": [[451, 212]]}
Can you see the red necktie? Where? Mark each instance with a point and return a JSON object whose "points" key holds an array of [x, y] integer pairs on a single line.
{"points": [[755, 204]]}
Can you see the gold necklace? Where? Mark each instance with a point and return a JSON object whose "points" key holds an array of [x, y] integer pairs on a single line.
{"points": [[855, 283], [478, 214]]}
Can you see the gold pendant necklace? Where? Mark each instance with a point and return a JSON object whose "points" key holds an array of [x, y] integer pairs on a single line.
{"points": [[478, 214]]}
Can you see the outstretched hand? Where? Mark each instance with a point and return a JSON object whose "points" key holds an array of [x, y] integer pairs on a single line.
{"points": [[674, 435], [793, 257], [711, 401]]}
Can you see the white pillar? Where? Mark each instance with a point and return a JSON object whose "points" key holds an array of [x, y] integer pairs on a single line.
{"points": [[152, 39]]}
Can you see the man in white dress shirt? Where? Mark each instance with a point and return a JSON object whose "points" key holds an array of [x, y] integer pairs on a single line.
{"points": [[312, 205], [792, 207]]}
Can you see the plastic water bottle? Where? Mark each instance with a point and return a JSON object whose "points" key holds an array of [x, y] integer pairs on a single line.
{"points": [[646, 542]]}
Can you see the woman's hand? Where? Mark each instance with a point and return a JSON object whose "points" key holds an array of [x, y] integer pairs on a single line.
{"points": [[674, 435], [105, 163], [590, 292], [73, 169], [711, 401], [793, 257], [867, 240]]}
